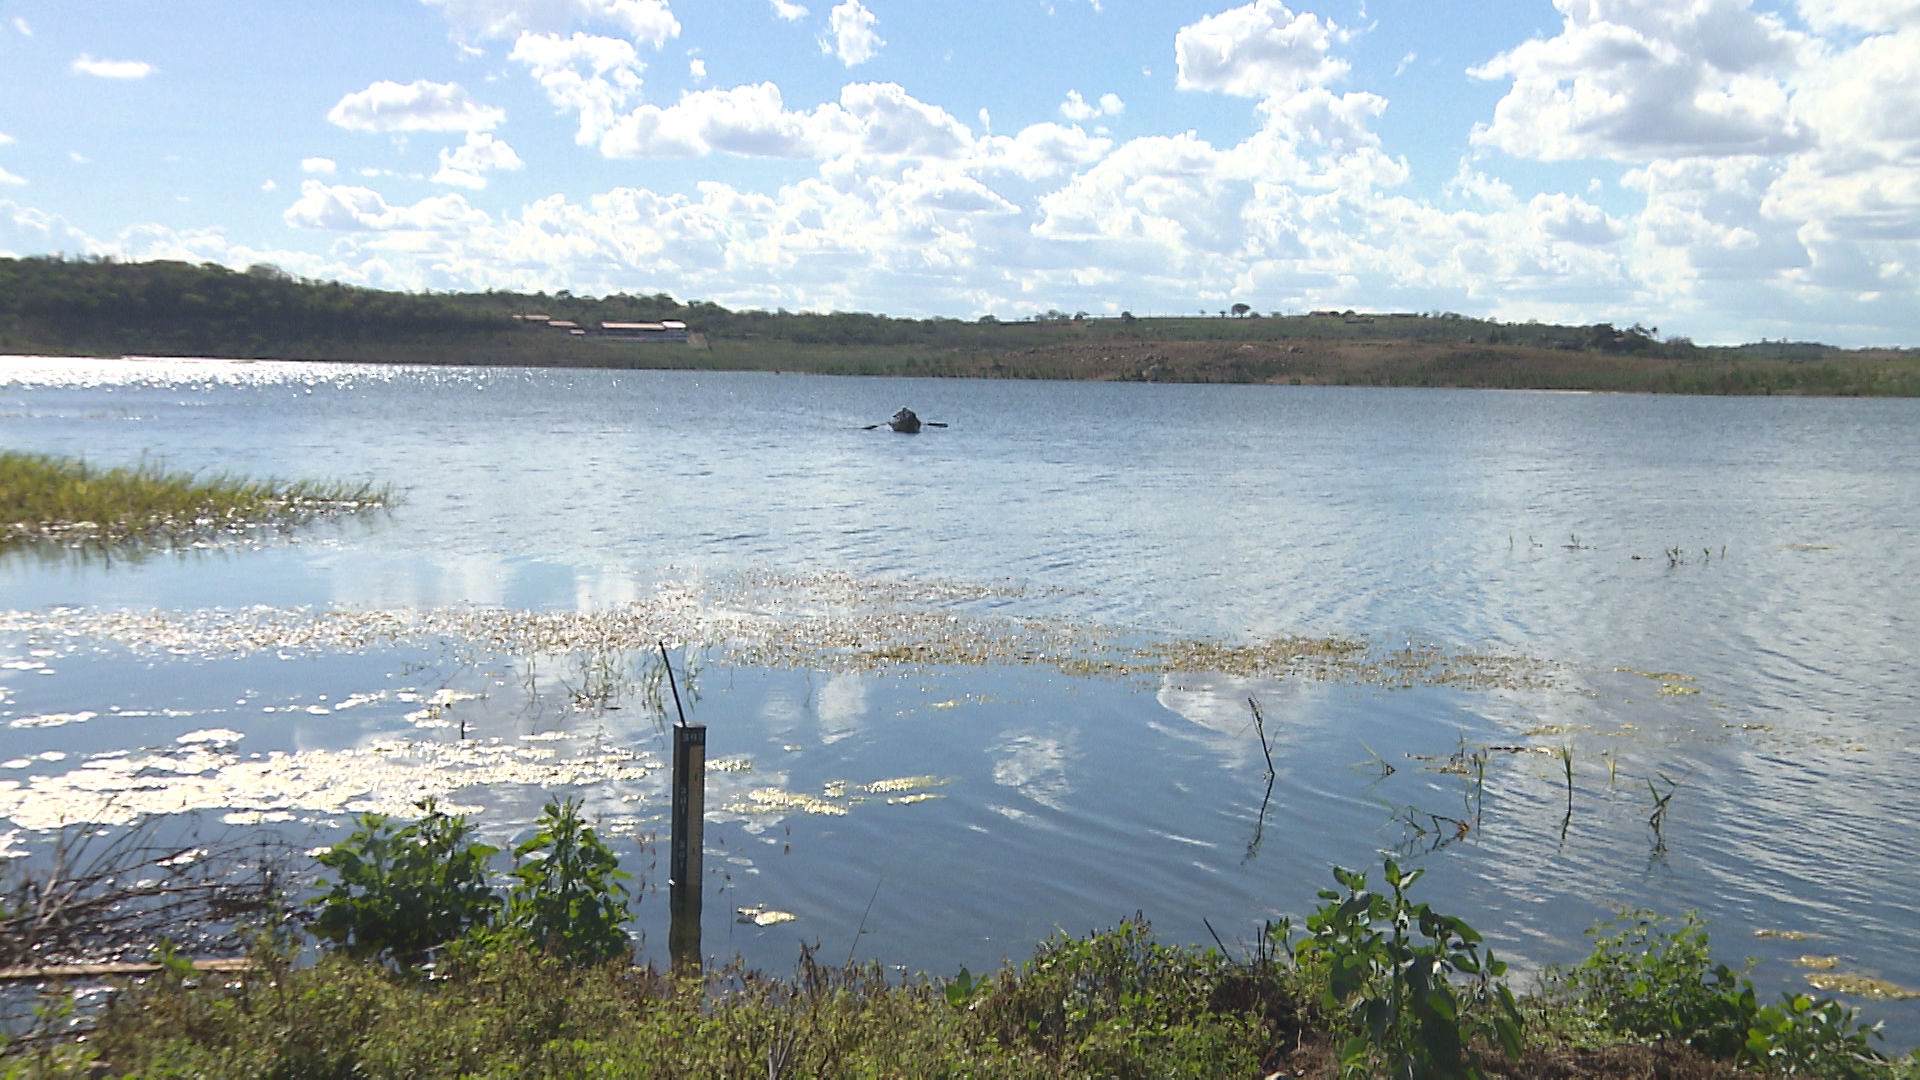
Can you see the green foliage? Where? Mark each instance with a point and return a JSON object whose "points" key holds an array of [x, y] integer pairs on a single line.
{"points": [[1652, 978], [181, 309], [1119, 1004], [402, 892], [520, 1014], [1397, 993], [963, 988], [569, 900], [1807, 1036]]}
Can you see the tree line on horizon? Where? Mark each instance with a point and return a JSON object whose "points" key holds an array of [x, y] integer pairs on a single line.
{"points": [[100, 304]]}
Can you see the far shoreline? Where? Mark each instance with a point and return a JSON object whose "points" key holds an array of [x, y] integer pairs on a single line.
{"points": [[1303, 362]]}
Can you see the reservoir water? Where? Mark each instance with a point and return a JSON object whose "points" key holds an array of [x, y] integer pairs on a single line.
{"points": [[974, 686]]}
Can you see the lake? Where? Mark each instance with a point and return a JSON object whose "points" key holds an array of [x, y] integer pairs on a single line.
{"points": [[974, 686]]}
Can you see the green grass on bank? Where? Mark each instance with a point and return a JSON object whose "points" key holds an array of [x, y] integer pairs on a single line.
{"points": [[1377, 987], [63, 500], [1114, 1004]]}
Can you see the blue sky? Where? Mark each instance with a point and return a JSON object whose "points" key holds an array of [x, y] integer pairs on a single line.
{"points": [[1723, 169]]}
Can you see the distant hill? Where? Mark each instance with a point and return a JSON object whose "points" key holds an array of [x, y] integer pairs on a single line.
{"points": [[57, 306]]}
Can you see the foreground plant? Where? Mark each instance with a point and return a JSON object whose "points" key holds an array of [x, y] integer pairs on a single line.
{"points": [[1410, 1019], [567, 898], [401, 892]]}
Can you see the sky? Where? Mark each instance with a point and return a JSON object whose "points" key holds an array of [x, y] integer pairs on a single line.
{"points": [[1724, 170]]}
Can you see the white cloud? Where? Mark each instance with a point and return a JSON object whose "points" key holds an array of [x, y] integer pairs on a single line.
{"points": [[467, 165], [1039, 151], [1259, 50], [113, 69], [415, 106], [1637, 80], [1775, 185], [24, 229], [1825, 15], [346, 208], [648, 22], [8, 178], [5, 138], [1865, 101], [749, 120], [787, 11], [853, 39], [1077, 108], [78, 158], [697, 69], [870, 118], [21, 25], [318, 166], [269, 185], [596, 77]]}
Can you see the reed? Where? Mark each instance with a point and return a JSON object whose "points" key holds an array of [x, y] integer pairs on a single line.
{"points": [[68, 501]]}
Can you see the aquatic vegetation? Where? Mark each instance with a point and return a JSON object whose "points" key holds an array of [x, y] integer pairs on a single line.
{"points": [[903, 783], [386, 776], [776, 801], [833, 623], [761, 916], [61, 501], [1861, 986]]}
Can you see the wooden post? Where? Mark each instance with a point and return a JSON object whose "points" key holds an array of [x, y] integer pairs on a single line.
{"points": [[686, 871]]}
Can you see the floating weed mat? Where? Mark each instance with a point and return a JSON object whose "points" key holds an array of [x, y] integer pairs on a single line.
{"points": [[836, 798], [761, 916], [1671, 683], [1816, 963], [48, 501], [385, 777], [829, 623], [1861, 986]]}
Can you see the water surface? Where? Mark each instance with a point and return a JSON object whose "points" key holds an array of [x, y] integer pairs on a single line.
{"points": [[1709, 596]]}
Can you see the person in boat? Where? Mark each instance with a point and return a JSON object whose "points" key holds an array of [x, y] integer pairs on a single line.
{"points": [[905, 422]]}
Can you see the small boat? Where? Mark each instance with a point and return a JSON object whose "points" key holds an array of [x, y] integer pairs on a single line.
{"points": [[905, 422]]}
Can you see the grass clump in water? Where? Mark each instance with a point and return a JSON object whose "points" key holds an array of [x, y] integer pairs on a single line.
{"points": [[67, 501]]}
